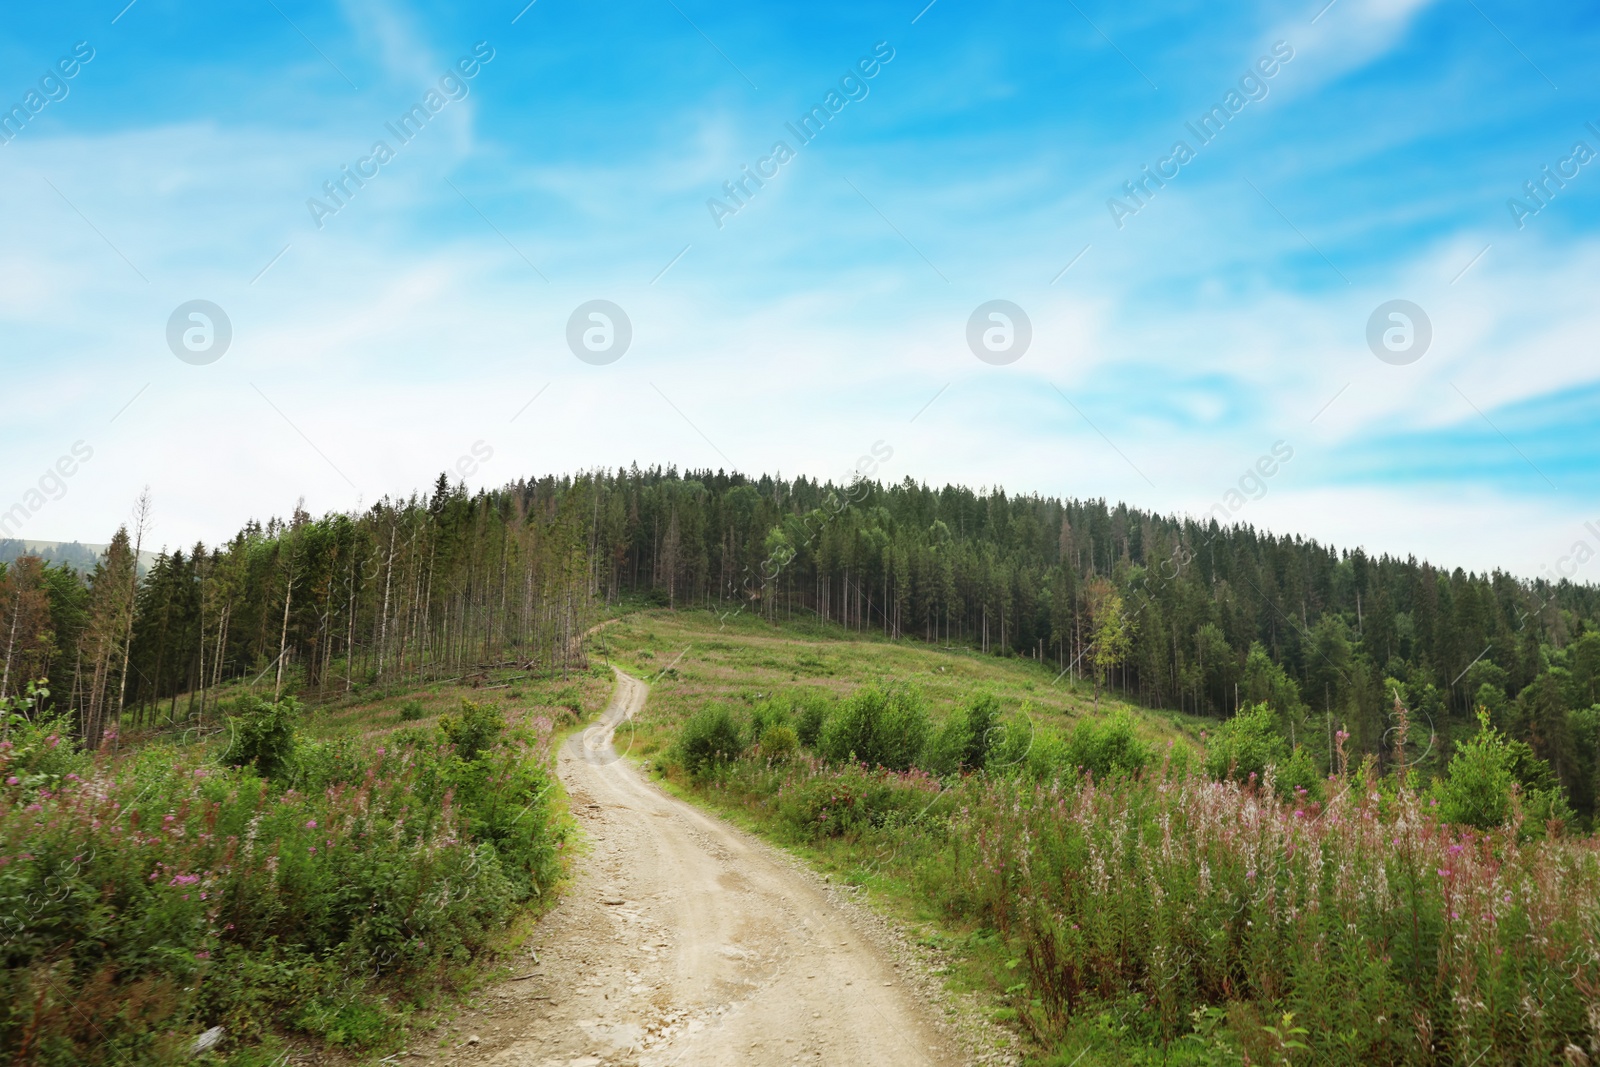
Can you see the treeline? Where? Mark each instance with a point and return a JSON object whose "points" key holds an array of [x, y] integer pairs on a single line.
{"points": [[1170, 611], [414, 589]]}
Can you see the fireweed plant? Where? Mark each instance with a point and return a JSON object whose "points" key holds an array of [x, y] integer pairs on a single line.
{"points": [[272, 885], [1215, 918]]}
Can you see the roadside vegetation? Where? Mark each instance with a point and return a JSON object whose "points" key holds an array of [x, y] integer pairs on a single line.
{"points": [[298, 878], [1124, 891]]}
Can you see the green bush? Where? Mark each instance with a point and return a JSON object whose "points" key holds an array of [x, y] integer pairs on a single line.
{"points": [[1298, 776], [852, 800], [1245, 745], [877, 728], [708, 739], [774, 711], [942, 756], [38, 753], [1108, 746], [810, 711], [150, 894], [261, 734], [1047, 756], [316, 765], [1477, 785], [963, 742], [778, 743], [1487, 777], [475, 731], [1011, 748], [411, 711]]}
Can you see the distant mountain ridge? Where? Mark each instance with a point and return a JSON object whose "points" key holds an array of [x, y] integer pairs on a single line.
{"points": [[74, 554]]}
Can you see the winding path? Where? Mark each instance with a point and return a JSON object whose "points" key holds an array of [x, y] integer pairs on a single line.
{"points": [[685, 941]]}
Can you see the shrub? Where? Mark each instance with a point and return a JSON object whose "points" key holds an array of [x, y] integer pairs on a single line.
{"points": [[779, 743], [978, 721], [1107, 746], [1298, 776], [708, 739], [1245, 745], [963, 742], [766, 714], [851, 800], [1011, 747], [1047, 756], [877, 728], [39, 754], [411, 711], [261, 734], [810, 711], [1480, 787], [942, 755], [316, 765], [475, 731], [150, 894], [1477, 785]]}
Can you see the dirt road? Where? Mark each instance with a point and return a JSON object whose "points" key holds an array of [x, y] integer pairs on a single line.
{"points": [[688, 942]]}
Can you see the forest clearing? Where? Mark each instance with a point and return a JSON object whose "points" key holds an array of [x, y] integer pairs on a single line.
{"points": [[354, 774]]}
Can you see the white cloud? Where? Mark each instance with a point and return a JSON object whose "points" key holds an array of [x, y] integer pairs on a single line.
{"points": [[408, 330]]}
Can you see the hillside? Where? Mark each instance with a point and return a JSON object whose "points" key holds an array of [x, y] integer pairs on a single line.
{"points": [[1118, 889], [1166, 612], [696, 657]]}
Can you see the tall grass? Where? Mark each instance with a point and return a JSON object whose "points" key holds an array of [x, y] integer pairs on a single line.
{"points": [[148, 896], [1162, 916], [1392, 936]]}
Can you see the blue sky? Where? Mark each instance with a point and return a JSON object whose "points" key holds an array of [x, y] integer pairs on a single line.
{"points": [[1228, 313]]}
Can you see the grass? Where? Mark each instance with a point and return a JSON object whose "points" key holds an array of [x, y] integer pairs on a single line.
{"points": [[370, 714], [692, 658], [332, 889], [695, 658], [1151, 914]]}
